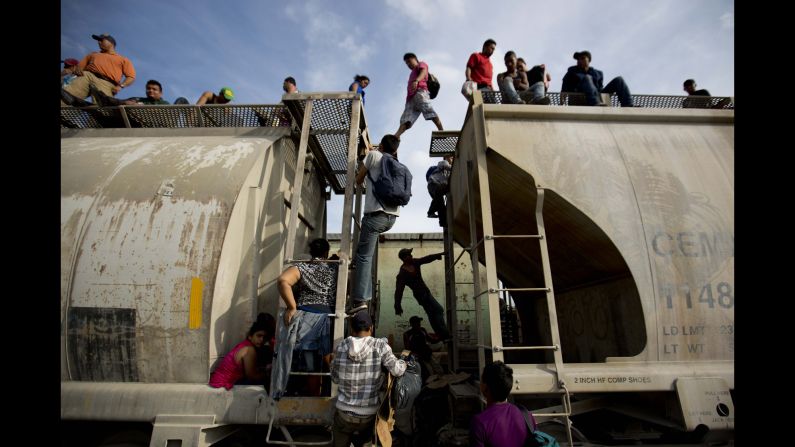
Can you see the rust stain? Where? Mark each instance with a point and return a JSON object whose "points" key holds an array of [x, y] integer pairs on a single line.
{"points": [[187, 233]]}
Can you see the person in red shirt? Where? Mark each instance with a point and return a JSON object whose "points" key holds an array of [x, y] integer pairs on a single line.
{"points": [[479, 69]]}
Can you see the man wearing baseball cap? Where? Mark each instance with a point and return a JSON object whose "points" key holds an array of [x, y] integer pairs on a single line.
{"points": [[411, 275], [357, 368], [105, 70], [586, 79], [68, 72], [224, 96]]}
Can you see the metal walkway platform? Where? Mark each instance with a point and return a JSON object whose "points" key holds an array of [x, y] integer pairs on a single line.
{"points": [[329, 129], [649, 101], [176, 116]]}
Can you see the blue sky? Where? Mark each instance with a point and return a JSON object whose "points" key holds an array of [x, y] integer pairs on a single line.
{"points": [[252, 45]]}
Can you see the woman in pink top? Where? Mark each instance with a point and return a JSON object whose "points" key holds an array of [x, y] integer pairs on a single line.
{"points": [[240, 365]]}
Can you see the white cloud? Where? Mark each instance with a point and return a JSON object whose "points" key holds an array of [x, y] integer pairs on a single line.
{"points": [[431, 13], [335, 46], [727, 20]]}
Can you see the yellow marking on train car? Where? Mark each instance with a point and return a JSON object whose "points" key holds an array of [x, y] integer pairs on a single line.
{"points": [[195, 313]]}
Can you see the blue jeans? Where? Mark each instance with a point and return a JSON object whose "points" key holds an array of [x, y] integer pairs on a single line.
{"points": [[509, 95], [372, 226], [617, 86], [535, 91], [307, 331]]}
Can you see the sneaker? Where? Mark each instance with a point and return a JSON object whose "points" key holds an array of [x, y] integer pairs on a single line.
{"points": [[101, 99], [544, 101], [356, 306], [72, 100]]}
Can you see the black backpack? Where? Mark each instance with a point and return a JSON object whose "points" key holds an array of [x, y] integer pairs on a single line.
{"points": [[393, 187], [433, 86]]}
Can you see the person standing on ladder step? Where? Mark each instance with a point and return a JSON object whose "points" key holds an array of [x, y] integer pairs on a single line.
{"points": [[304, 327], [438, 185], [377, 218], [411, 275]]}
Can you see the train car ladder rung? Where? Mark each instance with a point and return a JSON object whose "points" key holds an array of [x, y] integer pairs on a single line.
{"points": [[519, 348], [516, 236], [522, 289], [289, 439]]}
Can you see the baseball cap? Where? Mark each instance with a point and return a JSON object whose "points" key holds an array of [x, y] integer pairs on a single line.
{"points": [[414, 318], [361, 320], [70, 62], [583, 53], [227, 93], [104, 36], [404, 252]]}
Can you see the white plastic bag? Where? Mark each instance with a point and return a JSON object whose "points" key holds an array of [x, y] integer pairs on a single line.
{"points": [[468, 88]]}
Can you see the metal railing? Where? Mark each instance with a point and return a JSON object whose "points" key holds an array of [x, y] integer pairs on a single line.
{"points": [[650, 101], [176, 116]]}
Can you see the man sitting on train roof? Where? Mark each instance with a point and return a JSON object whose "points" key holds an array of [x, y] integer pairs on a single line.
{"points": [[102, 70], [154, 96], [303, 339], [586, 79], [224, 96]]}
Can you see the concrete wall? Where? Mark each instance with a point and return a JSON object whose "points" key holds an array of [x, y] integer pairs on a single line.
{"points": [[393, 326]]}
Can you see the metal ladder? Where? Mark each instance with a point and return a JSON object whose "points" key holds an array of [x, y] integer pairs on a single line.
{"points": [[345, 236], [492, 290]]}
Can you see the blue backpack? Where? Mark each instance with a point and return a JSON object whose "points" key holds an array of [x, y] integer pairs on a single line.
{"points": [[536, 438], [393, 187], [432, 170]]}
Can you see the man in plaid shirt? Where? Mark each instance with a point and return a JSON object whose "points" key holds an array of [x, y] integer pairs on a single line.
{"points": [[358, 369]]}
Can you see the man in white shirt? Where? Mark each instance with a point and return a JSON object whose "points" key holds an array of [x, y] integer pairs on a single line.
{"points": [[377, 219]]}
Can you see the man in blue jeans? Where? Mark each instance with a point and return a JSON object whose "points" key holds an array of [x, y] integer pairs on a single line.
{"points": [[586, 79], [377, 219]]}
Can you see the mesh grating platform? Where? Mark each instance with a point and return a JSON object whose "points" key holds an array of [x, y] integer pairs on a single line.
{"points": [[74, 118], [650, 101], [443, 142], [176, 116], [329, 130]]}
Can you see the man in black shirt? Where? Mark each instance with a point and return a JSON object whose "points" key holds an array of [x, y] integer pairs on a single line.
{"points": [[700, 103], [690, 88], [411, 275], [537, 80]]}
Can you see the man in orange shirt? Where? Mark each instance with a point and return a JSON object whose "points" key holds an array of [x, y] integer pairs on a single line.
{"points": [[101, 69]]}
